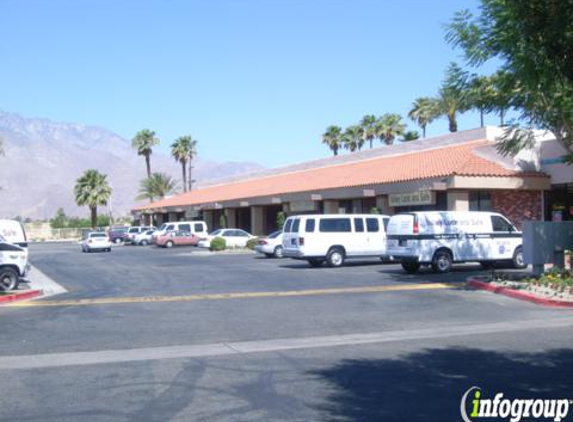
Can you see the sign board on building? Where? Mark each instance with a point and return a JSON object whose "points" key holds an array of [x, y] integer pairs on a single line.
{"points": [[244, 203], [316, 197], [368, 192], [192, 214], [276, 201], [300, 206], [412, 198]]}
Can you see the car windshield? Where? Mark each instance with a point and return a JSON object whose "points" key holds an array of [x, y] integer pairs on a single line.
{"points": [[216, 232], [149, 232], [274, 235], [163, 226], [2, 239], [119, 230], [98, 235]]}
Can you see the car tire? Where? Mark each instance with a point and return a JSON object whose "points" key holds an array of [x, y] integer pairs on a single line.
{"points": [[315, 262], [117, 240], [278, 252], [335, 258], [411, 267], [517, 260], [169, 244], [442, 262], [144, 243], [9, 279]]}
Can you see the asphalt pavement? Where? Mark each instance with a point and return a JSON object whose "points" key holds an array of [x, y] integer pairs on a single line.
{"points": [[148, 334]]}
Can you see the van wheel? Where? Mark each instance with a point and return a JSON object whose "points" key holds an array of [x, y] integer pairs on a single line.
{"points": [[9, 279], [315, 262], [278, 252], [411, 267], [442, 262], [335, 257], [517, 259]]}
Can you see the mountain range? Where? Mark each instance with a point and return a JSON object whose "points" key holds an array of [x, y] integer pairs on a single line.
{"points": [[44, 158]]}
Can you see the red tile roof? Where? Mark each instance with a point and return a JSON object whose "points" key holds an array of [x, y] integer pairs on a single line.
{"points": [[439, 162]]}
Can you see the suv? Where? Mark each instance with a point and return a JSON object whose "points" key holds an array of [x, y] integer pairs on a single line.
{"points": [[117, 234]]}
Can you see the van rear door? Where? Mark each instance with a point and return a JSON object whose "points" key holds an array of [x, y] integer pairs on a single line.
{"points": [[400, 228]]}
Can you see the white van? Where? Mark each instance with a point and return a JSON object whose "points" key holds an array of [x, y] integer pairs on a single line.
{"points": [[13, 254], [334, 237], [440, 238], [198, 228]]}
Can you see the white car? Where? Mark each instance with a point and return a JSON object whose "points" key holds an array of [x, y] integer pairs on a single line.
{"points": [[144, 238], [272, 245], [96, 241], [235, 238], [13, 264]]}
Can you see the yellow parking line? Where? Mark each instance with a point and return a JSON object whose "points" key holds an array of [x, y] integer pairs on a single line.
{"points": [[245, 295]]}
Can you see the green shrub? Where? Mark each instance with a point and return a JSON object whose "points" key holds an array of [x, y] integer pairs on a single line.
{"points": [[218, 244], [252, 243], [281, 217]]}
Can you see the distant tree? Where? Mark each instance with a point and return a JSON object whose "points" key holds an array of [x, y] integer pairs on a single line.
{"points": [[534, 41], [424, 110], [180, 151], [411, 135], [333, 138], [353, 138], [368, 124], [91, 190], [60, 221], [223, 221], [389, 127], [143, 142], [281, 217], [453, 95], [159, 185]]}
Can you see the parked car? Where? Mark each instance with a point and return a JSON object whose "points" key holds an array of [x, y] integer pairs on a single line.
{"points": [[196, 227], [13, 264], [334, 238], [143, 238], [177, 238], [134, 231], [272, 245], [234, 238], [117, 234], [96, 241], [441, 238]]}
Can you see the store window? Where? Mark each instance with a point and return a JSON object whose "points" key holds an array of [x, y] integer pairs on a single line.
{"points": [[480, 200]]}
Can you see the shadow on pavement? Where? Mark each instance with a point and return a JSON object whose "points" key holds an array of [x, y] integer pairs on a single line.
{"points": [[429, 385]]}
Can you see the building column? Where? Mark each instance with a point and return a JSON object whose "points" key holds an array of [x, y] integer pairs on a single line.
{"points": [[330, 206], [382, 204], [458, 200], [231, 216], [208, 218], [257, 220]]}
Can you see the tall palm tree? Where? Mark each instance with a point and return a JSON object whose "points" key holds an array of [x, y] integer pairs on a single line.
{"points": [[180, 150], [353, 138], [424, 111], [333, 138], [143, 142], [91, 190], [389, 127], [192, 154], [159, 185], [454, 95], [368, 124]]}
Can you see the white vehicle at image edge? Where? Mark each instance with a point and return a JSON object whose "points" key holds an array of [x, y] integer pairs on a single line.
{"points": [[441, 238], [144, 238], [13, 264], [234, 238], [335, 237], [272, 245], [198, 228], [96, 241]]}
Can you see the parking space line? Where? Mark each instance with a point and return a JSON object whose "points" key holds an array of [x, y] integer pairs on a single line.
{"points": [[239, 295]]}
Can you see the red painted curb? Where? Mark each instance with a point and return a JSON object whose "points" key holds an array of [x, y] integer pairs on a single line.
{"points": [[517, 294], [20, 296]]}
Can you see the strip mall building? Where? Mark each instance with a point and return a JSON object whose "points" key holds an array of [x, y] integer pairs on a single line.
{"points": [[460, 171]]}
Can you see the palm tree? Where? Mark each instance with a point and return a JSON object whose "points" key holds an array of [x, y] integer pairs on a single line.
{"points": [[143, 142], [192, 154], [159, 185], [91, 190], [180, 151], [333, 138], [454, 95], [411, 135], [353, 138], [368, 124], [424, 110], [389, 127]]}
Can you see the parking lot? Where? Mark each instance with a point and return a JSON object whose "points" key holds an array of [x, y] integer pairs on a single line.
{"points": [[179, 334]]}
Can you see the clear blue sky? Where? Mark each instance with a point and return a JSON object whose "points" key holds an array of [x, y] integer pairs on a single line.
{"points": [[255, 80]]}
